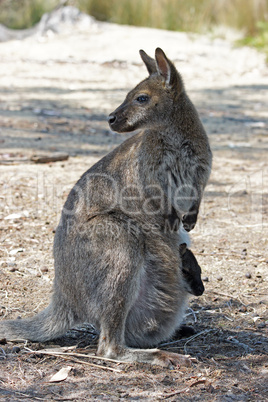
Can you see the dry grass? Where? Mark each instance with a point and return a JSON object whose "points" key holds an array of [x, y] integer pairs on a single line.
{"points": [[193, 15], [248, 16], [30, 12]]}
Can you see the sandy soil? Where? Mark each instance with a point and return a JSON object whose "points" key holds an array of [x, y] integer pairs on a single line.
{"points": [[56, 93]]}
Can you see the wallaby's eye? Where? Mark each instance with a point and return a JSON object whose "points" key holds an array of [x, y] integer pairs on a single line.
{"points": [[142, 98]]}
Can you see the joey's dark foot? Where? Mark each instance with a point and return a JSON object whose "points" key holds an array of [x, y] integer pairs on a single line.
{"points": [[184, 331], [189, 221]]}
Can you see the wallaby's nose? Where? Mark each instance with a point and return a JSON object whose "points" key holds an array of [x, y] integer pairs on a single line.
{"points": [[111, 119]]}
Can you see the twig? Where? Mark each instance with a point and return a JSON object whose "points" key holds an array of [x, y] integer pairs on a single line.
{"points": [[172, 342], [72, 359], [70, 356], [197, 382], [238, 298], [90, 331], [195, 336], [226, 295], [234, 341], [216, 254], [22, 395], [222, 294], [186, 389], [193, 313], [227, 318], [3, 352], [45, 351]]}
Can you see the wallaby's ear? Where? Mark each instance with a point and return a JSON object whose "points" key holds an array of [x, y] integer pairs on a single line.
{"points": [[167, 70], [183, 248], [149, 62]]}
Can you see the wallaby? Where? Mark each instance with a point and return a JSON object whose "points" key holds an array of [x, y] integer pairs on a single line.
{"points": [[116, 249]]}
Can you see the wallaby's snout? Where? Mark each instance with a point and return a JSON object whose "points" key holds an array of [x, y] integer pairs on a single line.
{"points": [[118, 120], [111, 119]]}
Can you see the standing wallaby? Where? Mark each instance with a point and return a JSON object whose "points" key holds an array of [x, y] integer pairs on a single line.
{"points": [[116, 249]]}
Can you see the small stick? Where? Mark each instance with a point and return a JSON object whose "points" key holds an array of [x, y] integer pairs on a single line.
{"points": [[193, 313], [195, 336], [176, 393], [227, 295], [172, 342], [234, 341], [3, 352], [74, 354], [70, 358]]}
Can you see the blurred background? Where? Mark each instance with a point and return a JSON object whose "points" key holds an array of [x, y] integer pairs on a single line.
{"points": [[248, 17]]}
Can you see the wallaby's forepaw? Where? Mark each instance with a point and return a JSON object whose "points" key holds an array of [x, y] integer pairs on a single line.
{"points": [[189, 221], [171, 360]]}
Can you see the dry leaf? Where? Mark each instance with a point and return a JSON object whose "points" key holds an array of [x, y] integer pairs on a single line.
{"points": [[61, 375]]}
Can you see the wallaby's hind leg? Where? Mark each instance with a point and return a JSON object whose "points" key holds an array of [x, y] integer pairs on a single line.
{"points": [[120, 263], [117, 256]]}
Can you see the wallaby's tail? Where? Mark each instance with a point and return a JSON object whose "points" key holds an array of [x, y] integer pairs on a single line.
{"points": [[50, 323]]}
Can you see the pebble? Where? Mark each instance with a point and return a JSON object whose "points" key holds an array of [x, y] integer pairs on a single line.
{"points": [[12, 266], [13, 269], [219, 278], [261, 325], [244, 254], [205, 279], [248, 275], [243, 309], [44, 269], [15, 349]]}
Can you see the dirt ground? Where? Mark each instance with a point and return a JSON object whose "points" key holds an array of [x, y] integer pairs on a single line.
{"points": [[55, 94]]}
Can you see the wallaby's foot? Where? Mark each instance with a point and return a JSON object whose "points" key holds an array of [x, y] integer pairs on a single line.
{"points": [[184, 331], [171, 360], [152, 356]]}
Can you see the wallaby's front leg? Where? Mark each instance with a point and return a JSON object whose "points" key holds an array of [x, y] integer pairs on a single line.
{"points": [[183, 186], [118, 256]]}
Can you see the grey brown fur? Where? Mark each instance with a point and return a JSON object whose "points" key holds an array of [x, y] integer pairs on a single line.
{"points": [[116, 249]]}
